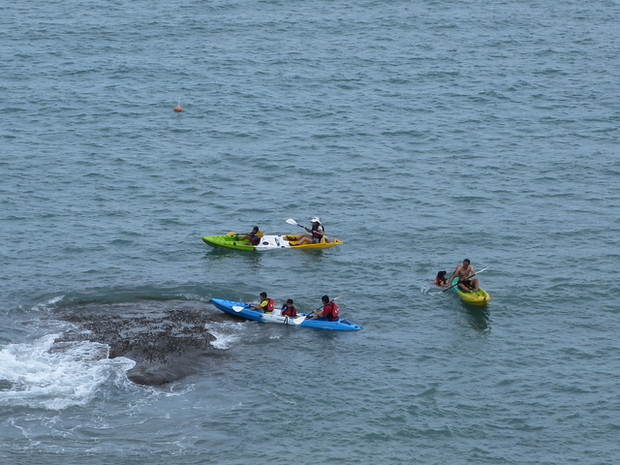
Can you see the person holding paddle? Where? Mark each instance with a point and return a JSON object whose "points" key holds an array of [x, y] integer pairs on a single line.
{"points": [[327, 311], [254, 236], [465, 272], [266, 304], [317, 233]]}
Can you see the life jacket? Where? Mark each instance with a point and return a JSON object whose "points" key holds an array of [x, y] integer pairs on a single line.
{"points": [[290, 311], [269, 307], [255, 238], [331, 311], [315, 228], [440, 279]]}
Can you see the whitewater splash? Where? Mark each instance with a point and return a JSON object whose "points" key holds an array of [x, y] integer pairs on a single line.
{"points": [[432, 291], [54, 376], [168, 339], [113, 339], [225, 333]]}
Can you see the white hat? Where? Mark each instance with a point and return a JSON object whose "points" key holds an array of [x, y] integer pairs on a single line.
{"points": [[315, 219]]}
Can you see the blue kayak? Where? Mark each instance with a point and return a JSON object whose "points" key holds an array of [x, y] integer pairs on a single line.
{"points": [[244, 310]]}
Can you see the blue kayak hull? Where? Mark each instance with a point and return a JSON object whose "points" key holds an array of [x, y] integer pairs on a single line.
{"points": [[243, 310]]}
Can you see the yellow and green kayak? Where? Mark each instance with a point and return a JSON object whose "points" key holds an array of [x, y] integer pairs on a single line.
{"points": [[480, 298], [267, 242]]}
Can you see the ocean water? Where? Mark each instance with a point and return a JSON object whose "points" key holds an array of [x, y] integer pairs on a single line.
{"points": [[422, 133]]}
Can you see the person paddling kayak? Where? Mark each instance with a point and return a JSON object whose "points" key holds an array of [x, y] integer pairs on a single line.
{"points": [[465, 272], [317, 233], [266, 304], [254, 236], [327, 311]]}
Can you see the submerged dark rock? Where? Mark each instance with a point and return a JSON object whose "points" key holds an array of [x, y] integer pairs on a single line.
{"points": [[6, 385], [167, 339]]}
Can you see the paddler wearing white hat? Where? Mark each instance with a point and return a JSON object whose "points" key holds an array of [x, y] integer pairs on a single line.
{"points": [[317, 233]]}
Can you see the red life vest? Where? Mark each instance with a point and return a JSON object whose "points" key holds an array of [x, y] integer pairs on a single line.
{"points": [[269, 307], [315, 228], [290, 311], [331, 311]]}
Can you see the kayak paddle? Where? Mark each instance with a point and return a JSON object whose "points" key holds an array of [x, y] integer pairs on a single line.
{"points": [[293, 222], [298, 320], [471, 276]]}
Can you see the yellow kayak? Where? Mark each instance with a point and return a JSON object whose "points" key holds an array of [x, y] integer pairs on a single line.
{"points": [[480, 298]]}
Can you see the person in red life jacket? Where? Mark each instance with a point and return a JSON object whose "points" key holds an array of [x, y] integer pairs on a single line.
{"points": [[440, 279], [317, 233], [328, 311], [289, 309], [266, 304]]}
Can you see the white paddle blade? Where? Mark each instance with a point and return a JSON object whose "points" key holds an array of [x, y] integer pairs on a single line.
{"points": [[237, 308], [299, 320], [292, 221]]}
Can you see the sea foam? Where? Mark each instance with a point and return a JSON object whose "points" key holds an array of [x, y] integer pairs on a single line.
{"points": [[45, 374]]}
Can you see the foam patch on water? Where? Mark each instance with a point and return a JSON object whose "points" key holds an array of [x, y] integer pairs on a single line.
{"points": [[432, 291], [55, 300], [225, 334], [48, 304], [43, 374]]}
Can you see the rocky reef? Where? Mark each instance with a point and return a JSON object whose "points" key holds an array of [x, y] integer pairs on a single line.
{"points": [[167, 339]]}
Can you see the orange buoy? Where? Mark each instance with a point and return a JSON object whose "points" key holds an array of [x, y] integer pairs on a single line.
{"points": [[178, 108]]}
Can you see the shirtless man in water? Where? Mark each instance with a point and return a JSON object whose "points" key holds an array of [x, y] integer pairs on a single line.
{"points": [[464, 272]]}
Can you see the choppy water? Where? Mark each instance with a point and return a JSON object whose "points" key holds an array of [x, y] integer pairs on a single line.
{"points": [[421, 132]]}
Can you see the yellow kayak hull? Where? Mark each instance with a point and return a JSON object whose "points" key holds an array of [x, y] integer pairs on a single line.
{"points": [[480, 298], [320, 245]]}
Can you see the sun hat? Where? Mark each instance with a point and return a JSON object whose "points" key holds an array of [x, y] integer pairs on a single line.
{"points": [[315, 219]]}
